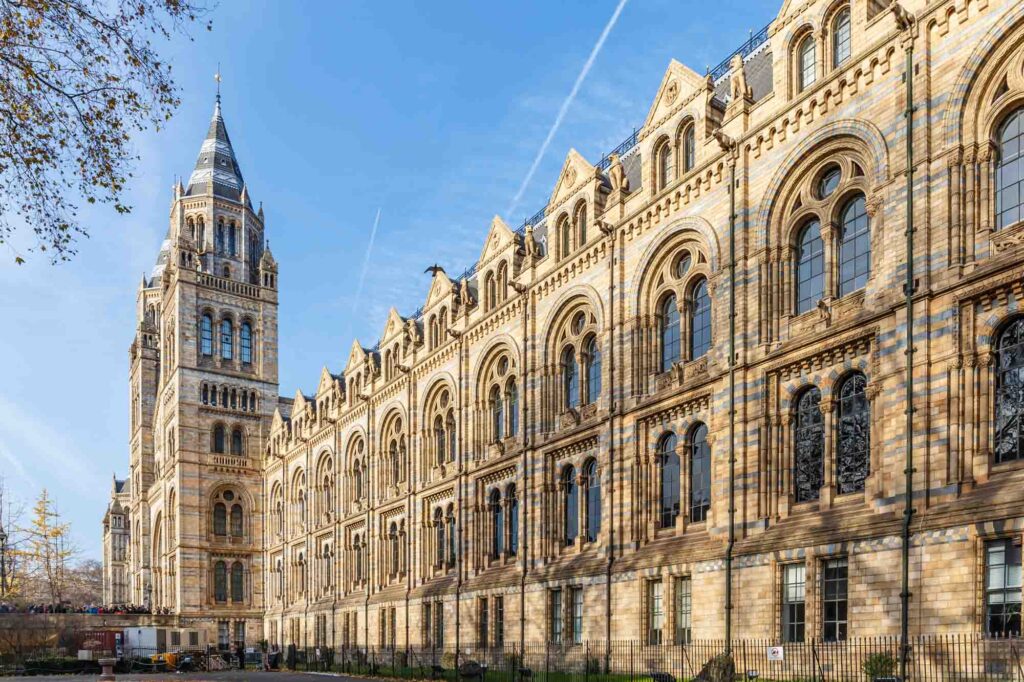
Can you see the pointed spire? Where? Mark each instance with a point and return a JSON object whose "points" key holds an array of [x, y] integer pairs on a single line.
{"points": [[216, 168]]}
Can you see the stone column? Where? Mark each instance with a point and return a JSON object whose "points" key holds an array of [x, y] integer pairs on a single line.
{"points": [[970, 198], [786, 468], [969, 419], [956, 227], [986, 169], [830, 247], [986, 388], [828, 485]]}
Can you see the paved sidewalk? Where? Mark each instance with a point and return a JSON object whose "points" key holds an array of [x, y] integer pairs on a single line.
{"points": [[227, 675]]}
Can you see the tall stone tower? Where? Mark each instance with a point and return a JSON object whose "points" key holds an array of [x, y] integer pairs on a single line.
{"points": [[204, 386]]}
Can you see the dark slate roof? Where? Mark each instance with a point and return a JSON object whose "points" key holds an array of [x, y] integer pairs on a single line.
{"points": [[758, 68], [216, 163], [632, 166], [119, 485]]}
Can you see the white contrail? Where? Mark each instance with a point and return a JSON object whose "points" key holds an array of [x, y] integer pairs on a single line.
{"points": [[565, 107], [366, 266]]}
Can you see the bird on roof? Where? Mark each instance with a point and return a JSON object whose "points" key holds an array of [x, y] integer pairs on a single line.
{"points": [[434, 269]]}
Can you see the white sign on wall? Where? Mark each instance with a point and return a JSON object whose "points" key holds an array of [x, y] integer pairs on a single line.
{"points": [[776, 653]]}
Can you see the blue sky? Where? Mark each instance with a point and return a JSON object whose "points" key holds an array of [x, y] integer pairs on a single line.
{"points": [[431, 112]]}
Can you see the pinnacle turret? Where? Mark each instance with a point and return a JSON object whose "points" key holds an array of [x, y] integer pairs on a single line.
{"points": [[216, 166]]}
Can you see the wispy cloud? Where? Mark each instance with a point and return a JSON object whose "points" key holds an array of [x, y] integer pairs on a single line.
{"points": [[362, 274], [565, 107]]}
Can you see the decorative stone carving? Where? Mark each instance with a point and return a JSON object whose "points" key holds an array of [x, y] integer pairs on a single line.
{"points": [[739, 90], [617, 174], [671, 92], [465, 297], [530, 243], [568, 419]]}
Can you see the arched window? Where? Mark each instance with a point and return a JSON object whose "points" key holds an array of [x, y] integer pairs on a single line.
{"points": [[490, 297], [218, 439], [497, 525], [853, 441], [206, 335], [810, 268], [571, 506], [1009, 395], [236, 520], [502, 284], [841, 41], [439, 441], [512, 398], [581, 224], [592, 492], [513, 519], [328, 490], [237, 582], [227, 337], [807, 63], [497, 414], [808, 446], [439, 544], [236, 442], [358, 550], [301, 501], [854, 247], [700, 320], [394, 461], [666, 165], [393, 548], [220, 581], [689, 148], [246, 339], [220, 519], [220, 237], [668, 318], [570, 379], [565, 234], [357, 479], [700, 473], [325, 563], [1009, 173], [452, 443], [450, 522], [668, 473], [592, 358]]}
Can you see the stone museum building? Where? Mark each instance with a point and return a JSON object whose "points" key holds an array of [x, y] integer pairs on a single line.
{"points": [[685, 379]]}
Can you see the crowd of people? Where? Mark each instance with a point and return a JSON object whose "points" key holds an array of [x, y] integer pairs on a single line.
{"points": [[113, 609]]}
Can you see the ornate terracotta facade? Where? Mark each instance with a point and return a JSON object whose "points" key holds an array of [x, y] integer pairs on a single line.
{"points": [[546, 443]]}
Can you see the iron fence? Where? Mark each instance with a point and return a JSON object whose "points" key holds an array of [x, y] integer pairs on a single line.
{"points": [[932, 659]]}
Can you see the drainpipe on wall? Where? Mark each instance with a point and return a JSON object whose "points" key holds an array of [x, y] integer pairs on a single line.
{"points": [[609, 232], [730, 147], [370, 456], [522, 491], [906, 22]]}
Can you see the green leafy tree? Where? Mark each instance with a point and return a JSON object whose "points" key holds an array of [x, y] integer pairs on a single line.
{"points": [[77, 79]]}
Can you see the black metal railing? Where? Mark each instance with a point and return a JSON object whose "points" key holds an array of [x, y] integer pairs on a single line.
{"points": [[933, 659], [755, 41]]}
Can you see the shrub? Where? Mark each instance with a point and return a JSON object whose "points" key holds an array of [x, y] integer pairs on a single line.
{"points": [[879, 665]]}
